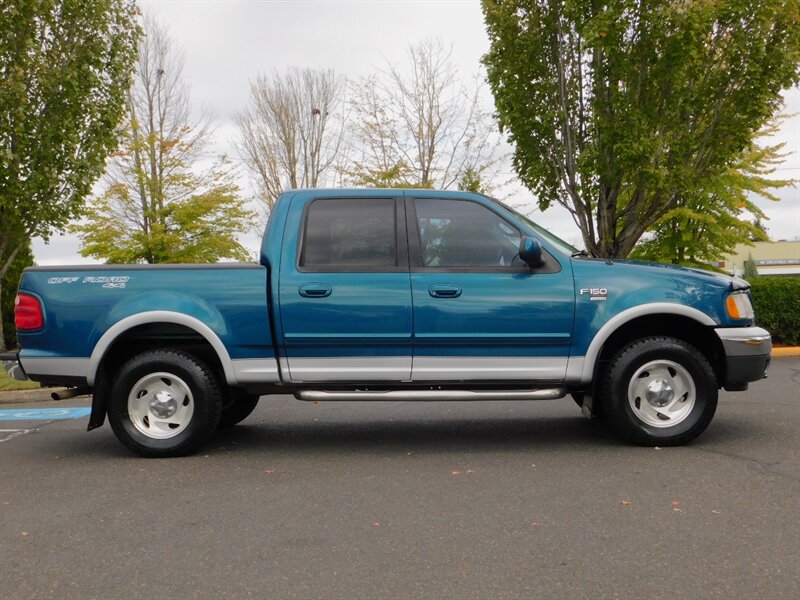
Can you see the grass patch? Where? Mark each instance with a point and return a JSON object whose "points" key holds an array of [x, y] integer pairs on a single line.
{"points": [[8, 384]]}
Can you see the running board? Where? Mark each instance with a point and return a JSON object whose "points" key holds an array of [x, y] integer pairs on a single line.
{"points": [[319, 395]]}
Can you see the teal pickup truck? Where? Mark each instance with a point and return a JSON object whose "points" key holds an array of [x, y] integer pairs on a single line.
{"points": [[389, 295]]}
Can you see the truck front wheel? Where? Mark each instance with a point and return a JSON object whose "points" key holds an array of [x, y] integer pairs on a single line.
{"points": [[164, 403], [660, 391]]}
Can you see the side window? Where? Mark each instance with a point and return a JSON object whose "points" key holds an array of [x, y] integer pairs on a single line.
{"points": [[350, 233], [455, 233]]}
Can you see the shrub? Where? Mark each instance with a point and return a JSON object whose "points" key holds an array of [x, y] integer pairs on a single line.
{"points": [[777, 304], [750, 270]]}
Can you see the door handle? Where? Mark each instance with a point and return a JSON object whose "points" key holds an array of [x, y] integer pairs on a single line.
{"points": [[444, 290], [315, 290]]}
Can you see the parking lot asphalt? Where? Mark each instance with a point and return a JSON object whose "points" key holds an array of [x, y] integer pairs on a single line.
{"points": [[410, 500]]}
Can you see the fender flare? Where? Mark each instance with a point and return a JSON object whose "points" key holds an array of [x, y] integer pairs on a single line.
{"points": [[581, 369], [159, 316]]}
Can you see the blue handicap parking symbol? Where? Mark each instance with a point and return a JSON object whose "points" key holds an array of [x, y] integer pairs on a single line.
{"points": [[43, 414]]}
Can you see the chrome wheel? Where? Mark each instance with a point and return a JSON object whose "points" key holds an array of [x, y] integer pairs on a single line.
{"points": [[164, 402], [661, 393], [160, 405]]}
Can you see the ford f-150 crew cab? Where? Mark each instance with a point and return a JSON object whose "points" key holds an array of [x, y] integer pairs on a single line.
{"points": [[390, 295]]}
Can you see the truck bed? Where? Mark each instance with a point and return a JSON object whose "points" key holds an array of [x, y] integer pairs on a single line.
{"points": [[84, 304]]}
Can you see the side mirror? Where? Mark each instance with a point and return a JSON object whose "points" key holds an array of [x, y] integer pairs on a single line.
{"points": [[530, 250]]}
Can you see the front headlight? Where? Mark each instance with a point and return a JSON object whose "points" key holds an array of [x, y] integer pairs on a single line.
{"points": [[739, 306]]}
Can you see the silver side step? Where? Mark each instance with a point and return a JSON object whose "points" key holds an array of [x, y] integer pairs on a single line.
{"points": [[394, 395]]}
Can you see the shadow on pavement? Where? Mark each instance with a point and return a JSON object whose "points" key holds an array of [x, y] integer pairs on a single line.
{"points": [[381, 437], [445, 435]]}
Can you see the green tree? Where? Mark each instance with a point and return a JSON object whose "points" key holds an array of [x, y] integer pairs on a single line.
{"points": [[159, 204], [64, 69], [397, 175], [750, 269], [706, 226], [619, 110], [760, 233], [471, 181]]}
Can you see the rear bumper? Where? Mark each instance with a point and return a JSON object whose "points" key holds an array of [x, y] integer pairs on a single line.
{"points": [[747, 355], [13, 368]]}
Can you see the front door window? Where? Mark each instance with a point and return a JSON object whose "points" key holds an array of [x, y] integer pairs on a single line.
{"points": [[455, 233]]}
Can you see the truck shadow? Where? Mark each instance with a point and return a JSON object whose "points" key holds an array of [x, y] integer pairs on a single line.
{"points": [[263, 434], [430, 436], [452, 435]]}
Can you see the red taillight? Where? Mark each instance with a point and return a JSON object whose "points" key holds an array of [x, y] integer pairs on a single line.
{"points": [[28, 312]]}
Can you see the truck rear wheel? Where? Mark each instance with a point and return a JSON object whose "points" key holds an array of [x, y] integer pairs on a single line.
{"points": [[660, 391], [164, 403]]}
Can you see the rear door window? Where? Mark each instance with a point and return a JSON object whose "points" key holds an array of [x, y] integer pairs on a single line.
{"points": [[350, 234]]}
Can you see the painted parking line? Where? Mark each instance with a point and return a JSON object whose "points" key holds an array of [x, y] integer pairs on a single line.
{"points": [[10, 434], [44, 414]]}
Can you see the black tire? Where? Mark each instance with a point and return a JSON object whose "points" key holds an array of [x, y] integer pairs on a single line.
{"points": [[659, 391], [237, 408], [166, 380]]}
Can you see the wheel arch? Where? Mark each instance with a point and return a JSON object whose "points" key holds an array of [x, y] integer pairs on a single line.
{"points": [[173, 326], [673, 320]]}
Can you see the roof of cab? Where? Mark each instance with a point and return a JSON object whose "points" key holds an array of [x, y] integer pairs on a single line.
{"points": [[381, 192]]}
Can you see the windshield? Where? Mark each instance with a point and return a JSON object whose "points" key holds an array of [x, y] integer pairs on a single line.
{"points": [[554, 240]]}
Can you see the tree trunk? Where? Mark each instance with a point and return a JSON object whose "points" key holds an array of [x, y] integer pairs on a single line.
{"points": [[2, 329], [137, 158], [3, 270]]}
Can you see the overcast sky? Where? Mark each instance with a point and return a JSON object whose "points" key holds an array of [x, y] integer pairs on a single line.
{"points": [[227, 43]]}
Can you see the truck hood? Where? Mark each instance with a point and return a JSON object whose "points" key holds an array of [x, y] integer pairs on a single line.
{"points": [[732, 282]]}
